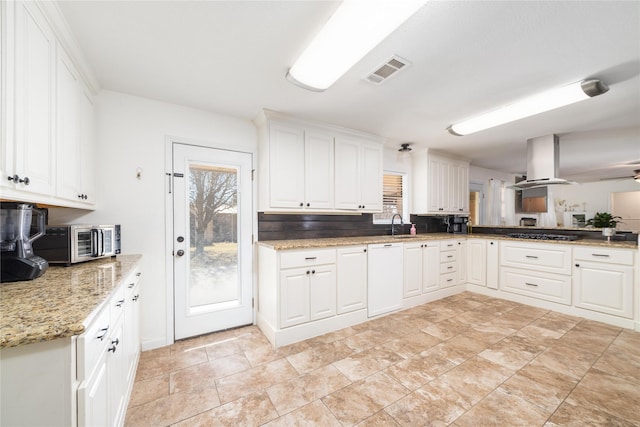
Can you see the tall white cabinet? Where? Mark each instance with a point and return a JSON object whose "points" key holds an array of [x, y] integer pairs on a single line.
{"points": [[46, 152], [305, 166], [440, 184]]}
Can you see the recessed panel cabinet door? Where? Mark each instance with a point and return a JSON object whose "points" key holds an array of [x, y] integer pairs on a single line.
{"points": [[286, 151], [318, 171], [34, 100], [476, 268], [371, 181], [322, 292], [607, 288], [347, 174], [294, 296], [412, 269], [430, 267]]}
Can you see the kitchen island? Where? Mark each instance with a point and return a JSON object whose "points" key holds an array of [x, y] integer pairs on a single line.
{"points": [[70, 343]]}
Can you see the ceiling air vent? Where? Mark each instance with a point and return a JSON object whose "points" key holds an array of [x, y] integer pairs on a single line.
{"points": [[387, 70]]}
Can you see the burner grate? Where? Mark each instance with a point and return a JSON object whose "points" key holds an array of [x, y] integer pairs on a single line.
{"points": [[542, 236]]}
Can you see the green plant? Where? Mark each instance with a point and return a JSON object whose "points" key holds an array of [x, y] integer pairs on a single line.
{"points": [[604, 220]]}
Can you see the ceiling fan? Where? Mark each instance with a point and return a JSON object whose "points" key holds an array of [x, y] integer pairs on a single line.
{"points": [[635, 176]]}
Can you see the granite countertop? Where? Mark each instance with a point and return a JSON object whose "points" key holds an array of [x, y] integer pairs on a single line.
{"points": [[351, 241], [367, 240], [61, 302]]}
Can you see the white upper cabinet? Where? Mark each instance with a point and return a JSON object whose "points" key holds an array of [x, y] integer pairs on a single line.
{"points": [[440, 184], [311, 167], [47, 116], [74, 123], [30, 150], [358, 174]]}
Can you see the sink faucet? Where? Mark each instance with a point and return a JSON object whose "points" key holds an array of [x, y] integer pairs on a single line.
{"points": [[393, 232]]}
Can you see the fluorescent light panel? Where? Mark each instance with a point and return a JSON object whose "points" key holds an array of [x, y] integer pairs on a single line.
{"points": [[355, 28], [533, 105]]}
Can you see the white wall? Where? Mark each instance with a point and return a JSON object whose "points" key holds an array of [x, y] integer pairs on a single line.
{"points": [[131, 134]]}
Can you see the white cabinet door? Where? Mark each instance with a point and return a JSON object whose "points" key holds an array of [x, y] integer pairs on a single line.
{"points": [[462, 261], [286, 157], [347, 174], [117, 374], [463, 191], [351, 278], [433, 185], [431, 267], [68, 113], [34, 143], [385, 271], [294, 296], [318, 170], [322, 292], [87, 150], [412, 269], [93, 396], [603, 287], [476, 267], [493, 264], [371, 179]]}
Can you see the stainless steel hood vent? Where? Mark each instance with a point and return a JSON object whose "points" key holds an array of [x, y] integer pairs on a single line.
{"points": [[543, 155]]}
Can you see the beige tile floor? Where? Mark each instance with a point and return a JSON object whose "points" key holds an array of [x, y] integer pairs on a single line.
{"points": [[466, 360]]}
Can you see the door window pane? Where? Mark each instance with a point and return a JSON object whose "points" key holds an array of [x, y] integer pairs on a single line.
{"points": [[213, 223]]}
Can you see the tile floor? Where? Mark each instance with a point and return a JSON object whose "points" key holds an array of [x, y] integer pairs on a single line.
{"points": [[466, 360]]}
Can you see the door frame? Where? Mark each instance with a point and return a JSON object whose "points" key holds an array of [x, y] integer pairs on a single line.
{"points": [[168, 218]]}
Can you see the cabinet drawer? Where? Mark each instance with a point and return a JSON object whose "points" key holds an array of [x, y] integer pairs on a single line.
{"points": [[117, 304], [547, 286], [613, 256], [448, 279], [539, 257], [448, 256], [448, 267], [448, 245], [92, 343], [303, 258]]}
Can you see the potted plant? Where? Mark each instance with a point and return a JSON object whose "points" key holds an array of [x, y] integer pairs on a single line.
{"points": [[607, 222]]}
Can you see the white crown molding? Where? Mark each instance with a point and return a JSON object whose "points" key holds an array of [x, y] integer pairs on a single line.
{"points": [[69, 43]]}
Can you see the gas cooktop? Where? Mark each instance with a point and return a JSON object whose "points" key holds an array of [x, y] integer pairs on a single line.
{"points": [[542, 236]]}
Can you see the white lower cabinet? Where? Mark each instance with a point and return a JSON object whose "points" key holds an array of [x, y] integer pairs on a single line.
{"points": [[421, 268], [603, 281], [493, 264], [477, 261], [308, 292], [81, 380], [108, 353], [351, 264]]}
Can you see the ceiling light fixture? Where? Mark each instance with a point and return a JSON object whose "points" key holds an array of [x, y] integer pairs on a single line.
{"points": [[533, 105], [355, 28], [404, 148]]}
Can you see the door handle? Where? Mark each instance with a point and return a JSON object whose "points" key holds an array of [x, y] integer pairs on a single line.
{"points": [[180, 252]]}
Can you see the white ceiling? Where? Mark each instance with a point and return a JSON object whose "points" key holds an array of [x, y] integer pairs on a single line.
{"points": [[467, 57]]}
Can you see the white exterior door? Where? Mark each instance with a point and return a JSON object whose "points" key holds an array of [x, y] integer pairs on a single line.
{"points": [[212, 208]]}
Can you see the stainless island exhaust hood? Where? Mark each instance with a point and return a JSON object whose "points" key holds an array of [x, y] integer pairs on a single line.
{"points": [[543, 155]]}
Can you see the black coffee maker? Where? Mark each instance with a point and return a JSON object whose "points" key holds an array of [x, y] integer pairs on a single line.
{"points": [[18, 262], [457, 224]]}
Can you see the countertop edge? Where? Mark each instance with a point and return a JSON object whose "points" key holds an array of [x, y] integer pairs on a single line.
{"points": [[65, 329]]}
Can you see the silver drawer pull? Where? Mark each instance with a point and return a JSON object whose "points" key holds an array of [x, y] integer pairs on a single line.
{"points": [[531, 284], [449, 280], [388, 245], [311, 257], [531, 256], [104, 331], [601, 255], [449, 256], [449, 268], [131, 285], [119, 303]]}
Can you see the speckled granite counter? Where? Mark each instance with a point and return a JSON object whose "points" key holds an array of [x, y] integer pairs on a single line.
{"points": [[351, 241], [61, 302], [366, 240]]}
